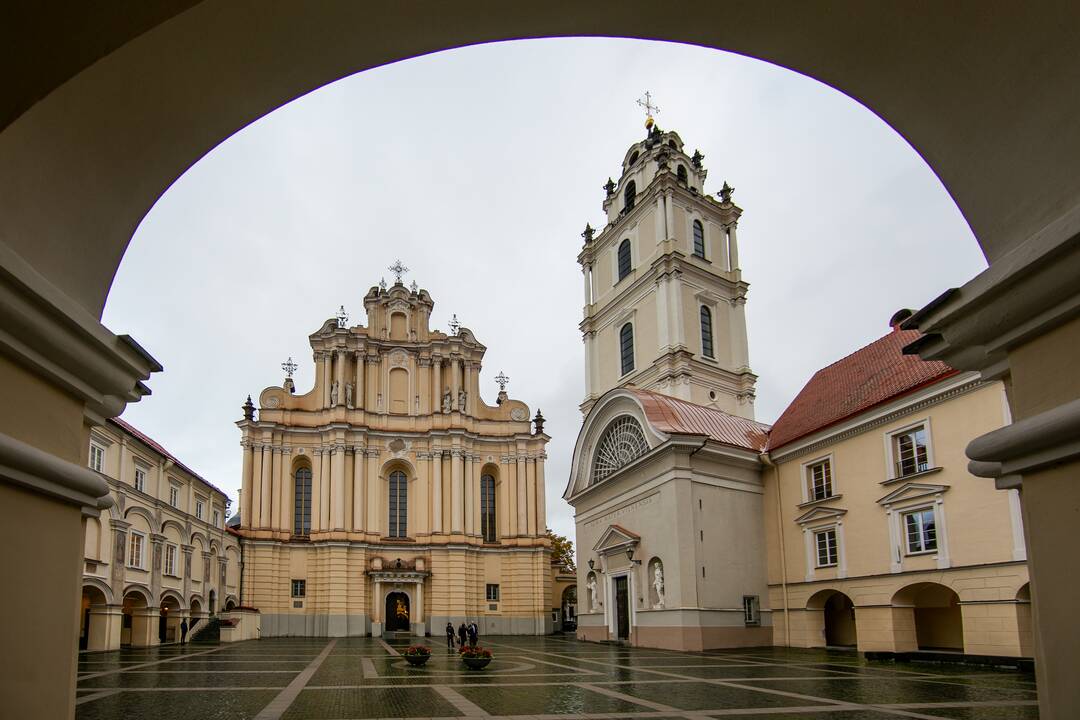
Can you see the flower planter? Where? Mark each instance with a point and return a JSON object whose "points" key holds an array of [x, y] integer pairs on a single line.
{"points": [[476, 663], [416, 660]]}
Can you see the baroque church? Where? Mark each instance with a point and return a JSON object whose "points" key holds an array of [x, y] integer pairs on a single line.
{"points": [[853, 521], [391, 497]]}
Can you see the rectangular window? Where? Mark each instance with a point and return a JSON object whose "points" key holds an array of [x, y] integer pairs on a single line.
{"points": [[492, 592], [97, 458], [217, 519], [299, 588], [910, 452], [819, 479], [199, 508], [174, 496], [170, 559], [920, 531], [135, 550], [751, 610], [826, 547], [140, 479]]}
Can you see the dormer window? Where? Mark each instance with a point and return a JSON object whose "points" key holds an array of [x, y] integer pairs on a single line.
{"points": [[680, 173], [629, 195], [633, 159], [672, 145]]}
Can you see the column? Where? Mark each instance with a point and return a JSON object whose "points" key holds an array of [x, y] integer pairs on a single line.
{"points": [[588, 340], [105, 624], [358, 391], [374, 486], [456, 508], [541, 494], [436, 384], [339, 375], [419, 625], [273, 497], [119, 556], [285, 491], [187, 550], [323, 359], [157, 543], [455, 382], [327, 489], [359, 468], [733, 247], [663, 321], [669, 216], [678, 334], [740, 355], [265, 493], [420, 504], [522, 502], [436, 492], [371, 364], [337, 488], [255, 521], [659, 216], [530, 496], [423, 389], [467, 370], [585, 270], [245, 484], [316, 488], [475, 506], [511, 496], [468, 509]]}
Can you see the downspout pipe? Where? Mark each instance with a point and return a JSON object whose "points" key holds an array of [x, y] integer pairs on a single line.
{"points": [[767, 462]]}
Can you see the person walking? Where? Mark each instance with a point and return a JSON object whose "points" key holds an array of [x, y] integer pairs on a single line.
{"points": [[463, 634], [450, 635], [473, 633], [183, 630]]}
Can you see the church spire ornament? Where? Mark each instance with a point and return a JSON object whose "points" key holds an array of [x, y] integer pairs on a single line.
{"points": [[650, 109], [398, 269]]}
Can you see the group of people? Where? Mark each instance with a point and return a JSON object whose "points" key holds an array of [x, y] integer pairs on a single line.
{"points": [[465, 634]]}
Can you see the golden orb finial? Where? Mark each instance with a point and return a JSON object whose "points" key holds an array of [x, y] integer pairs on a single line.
{"points": [[649, 122]]}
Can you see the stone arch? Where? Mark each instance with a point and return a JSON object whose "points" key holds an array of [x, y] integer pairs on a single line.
{"points": [[172, 612], [935, 615], [142, 592], [203, 541], [170, 523], [143, 513], [100, 586], [215, 547], [831, 619], [93, 629], [231, 603], [172, 594]]}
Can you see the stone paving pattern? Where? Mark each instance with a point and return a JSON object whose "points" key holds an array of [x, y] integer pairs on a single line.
{"points": [[548, 678]]}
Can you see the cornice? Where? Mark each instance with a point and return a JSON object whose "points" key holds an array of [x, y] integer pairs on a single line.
{"points": [[42, 472]]}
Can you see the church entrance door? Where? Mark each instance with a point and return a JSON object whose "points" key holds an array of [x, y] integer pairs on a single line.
{"points": [[397, 611], [622, 607]]}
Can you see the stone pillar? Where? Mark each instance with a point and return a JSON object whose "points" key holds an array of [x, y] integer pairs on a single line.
{"points": [[530, 496], [663, 318], [286, 499], [467, 371], [423, 389], [323, 360], [436, 492], [468, 494], [337, 488], [339, 375], [585, 271], [511, 496], [144, 627], [456, 506], [157, 543], [678, 330], [119, 557], [374, 488], [541, 494], [475, 507], [419, 625], [316, 488], [265, 491], [669, 216], [436, 385], [503, 492], [246, 484], [658, 220], [326, 489], [371, 368], [359, 468], [740, 356], [522, 501], [255, 520], [187, 550], [733, 247], [376, 609], [358, 391], [455, 381], [105, 624], [421, 525]]}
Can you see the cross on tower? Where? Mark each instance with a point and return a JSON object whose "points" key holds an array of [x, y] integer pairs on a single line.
{"points": [[289, 367], [647, 103], [502, 379], [398, 269]]}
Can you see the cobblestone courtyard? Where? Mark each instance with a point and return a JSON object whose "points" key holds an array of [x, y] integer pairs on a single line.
{"points": [[532, 679]]}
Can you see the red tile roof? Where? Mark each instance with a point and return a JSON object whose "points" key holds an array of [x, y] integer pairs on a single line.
{"points": [[153, 444], [868, 377], [671, 415]]}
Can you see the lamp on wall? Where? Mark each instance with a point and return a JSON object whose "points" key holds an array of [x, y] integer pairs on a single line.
{"points": [[592, 563], [630, 556]]}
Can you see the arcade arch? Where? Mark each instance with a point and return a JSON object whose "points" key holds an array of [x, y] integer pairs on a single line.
{"points": [[934, 613]]}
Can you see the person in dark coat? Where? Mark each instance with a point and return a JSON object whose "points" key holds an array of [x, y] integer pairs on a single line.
{"points": [[450, 635], [473, 634], [463, 633], [183, 631]]}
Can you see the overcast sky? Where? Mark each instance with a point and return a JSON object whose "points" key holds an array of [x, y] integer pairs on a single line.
{"points": [[478, 168]]}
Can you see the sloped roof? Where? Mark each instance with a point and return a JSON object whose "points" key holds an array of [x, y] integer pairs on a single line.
{"points": [[155, 445], [671, 415], [864, 379]]}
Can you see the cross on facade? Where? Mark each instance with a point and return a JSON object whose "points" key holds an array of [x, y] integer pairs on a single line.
{"points": [[647, 103], [342, 317], [455, 326], [398, 269], [502, 379], [289, 367]]}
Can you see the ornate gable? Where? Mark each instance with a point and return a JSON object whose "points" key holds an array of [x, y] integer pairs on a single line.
{"points": [[615, 539], [820, 513], [912, 491]]}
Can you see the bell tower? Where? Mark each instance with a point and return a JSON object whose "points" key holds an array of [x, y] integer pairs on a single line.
{"points": [[664, 295]]}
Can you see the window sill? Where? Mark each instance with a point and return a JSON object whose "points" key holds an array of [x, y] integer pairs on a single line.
{"points": [[170, 575], [923, 553], [136, 569], [812, 503], [389, 539], [905, 478], [826, 567]]}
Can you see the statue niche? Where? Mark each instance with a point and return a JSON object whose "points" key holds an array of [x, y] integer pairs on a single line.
{"points": [[656, 584]]}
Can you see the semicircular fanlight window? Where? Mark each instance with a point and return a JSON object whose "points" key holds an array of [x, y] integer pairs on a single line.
{"points": [[622, 443]]}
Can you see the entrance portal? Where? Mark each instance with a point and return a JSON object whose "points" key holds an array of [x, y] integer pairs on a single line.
{"points": [[397, 611], [622, 607]]}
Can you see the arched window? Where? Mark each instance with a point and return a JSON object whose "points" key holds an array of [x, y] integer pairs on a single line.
{"points": [[622, 443], [487, 508], [629, 195], [671, 144], [633, 159], [624, 258], [626, 347], [680, 173], [302, 502], [706, 332], [699, 239], [399, 505]]}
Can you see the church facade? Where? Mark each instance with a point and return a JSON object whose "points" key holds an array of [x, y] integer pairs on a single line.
{"points": [[391, 497], [852, 522]]}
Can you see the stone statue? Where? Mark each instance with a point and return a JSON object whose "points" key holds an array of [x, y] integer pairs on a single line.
{"points": [[349, 388], [446, 401], [658, 584], [333, 393], [591, 585], [462, 396]]}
